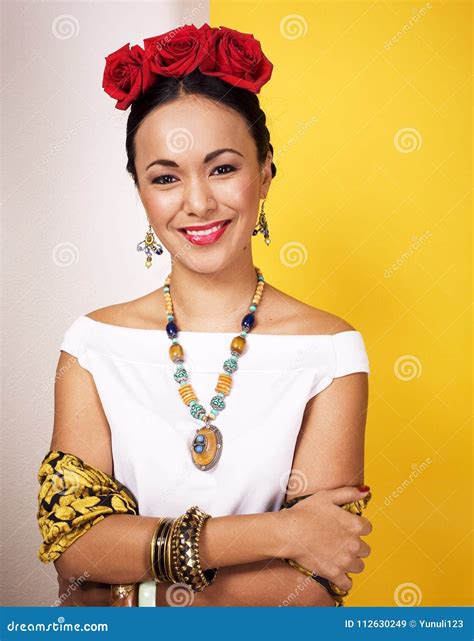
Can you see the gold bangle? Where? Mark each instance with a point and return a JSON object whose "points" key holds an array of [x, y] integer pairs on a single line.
{"points": [[161, 550], [174, 544], [153, 551], [169, 568]]}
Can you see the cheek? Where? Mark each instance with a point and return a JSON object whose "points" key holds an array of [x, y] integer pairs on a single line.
{"points": [[160, 206], [240, 194]]}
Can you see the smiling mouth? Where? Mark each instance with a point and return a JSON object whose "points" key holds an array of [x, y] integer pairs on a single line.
{"points": [[204, 233]]}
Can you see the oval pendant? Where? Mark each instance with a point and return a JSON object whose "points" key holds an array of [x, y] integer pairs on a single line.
{"points": [[207, 447]]}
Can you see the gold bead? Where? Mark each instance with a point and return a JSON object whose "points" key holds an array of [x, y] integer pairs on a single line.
{"points": [[224, 384], [238, 344], [176, 352], [187, 393]]}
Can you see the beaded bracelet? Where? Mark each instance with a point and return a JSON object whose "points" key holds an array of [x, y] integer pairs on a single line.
{"points": [[185, 550]]}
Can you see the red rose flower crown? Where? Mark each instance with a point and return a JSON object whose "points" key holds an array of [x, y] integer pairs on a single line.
{"points": [[231, 55]]}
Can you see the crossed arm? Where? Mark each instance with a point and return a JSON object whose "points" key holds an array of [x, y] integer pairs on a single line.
{"points": [[329, 453]]}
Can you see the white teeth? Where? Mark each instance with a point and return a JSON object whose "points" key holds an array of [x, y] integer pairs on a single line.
{"points": [[204, 233]]}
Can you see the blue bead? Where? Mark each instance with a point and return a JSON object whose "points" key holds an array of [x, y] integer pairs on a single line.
{"points": [[253, 308], [200, 438], [172, 329], [198, 448], [248, 321]]}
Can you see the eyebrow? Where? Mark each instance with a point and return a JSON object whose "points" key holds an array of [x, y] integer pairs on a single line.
{"points": [[207, 158]]}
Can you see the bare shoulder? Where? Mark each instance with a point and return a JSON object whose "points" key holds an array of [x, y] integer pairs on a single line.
{"points": [[293, 316], [133, 313]]}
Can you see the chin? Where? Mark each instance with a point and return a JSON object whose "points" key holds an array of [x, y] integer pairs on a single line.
{"points": [[200, 263]]}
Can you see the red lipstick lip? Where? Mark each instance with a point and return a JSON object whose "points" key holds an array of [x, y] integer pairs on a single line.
{"points": [[209, 239], [204, 227]]}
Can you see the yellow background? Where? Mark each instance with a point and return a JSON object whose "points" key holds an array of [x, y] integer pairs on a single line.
{"points": [[369, 217]]}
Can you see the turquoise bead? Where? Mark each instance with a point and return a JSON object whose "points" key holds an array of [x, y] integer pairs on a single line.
{"points": [[181, 376], [217, 403], [230, 365], [197, 411]]}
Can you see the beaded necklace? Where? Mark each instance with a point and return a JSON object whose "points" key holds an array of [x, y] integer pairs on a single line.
{"points": [[206, 447]]}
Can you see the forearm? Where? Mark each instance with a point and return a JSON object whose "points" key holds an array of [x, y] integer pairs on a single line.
{"points": [[265, 583], [117, 549]]}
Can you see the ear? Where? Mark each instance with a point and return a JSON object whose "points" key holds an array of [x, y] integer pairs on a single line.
{"points": [[266, 175]]}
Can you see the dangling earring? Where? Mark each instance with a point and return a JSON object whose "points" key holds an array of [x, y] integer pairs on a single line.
{"points": [[262, 225], [150, 245]]}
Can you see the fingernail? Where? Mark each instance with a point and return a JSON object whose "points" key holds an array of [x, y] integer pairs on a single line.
{"points": [[363, 488]]}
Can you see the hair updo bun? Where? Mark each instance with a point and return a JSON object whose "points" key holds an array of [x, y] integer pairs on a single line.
{"points": [[167, 89]]}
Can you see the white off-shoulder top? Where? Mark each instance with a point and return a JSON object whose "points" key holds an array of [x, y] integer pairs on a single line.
{"points": [[152, 429]]}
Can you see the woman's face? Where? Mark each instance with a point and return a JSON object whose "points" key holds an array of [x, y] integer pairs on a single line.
{"points": [[193, 185]]}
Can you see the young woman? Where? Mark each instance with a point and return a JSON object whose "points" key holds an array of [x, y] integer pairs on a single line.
{"points": [[287, 421]]}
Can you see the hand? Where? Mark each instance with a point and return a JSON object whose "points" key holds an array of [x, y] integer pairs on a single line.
{"points": [[86, 593], [319, 535]]}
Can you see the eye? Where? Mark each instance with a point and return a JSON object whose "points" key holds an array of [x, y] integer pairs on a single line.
{"points": [[230, 167], [158, 179], [162, 180]]}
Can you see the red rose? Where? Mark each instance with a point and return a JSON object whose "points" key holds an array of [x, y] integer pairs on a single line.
{"points": [[177, 52], [237, 58], [126, 75]]}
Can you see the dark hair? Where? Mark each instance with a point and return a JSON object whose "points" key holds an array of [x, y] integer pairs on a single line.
{"points": [[167, 89]]}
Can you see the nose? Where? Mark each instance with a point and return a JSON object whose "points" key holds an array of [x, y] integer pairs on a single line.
{"points": [[198, 197]]}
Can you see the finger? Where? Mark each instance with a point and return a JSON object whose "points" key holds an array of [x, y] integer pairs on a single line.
{"points": [[364, 549], [356, 566], [346, 494], [367, 526], [343, 582], [352, 523]]}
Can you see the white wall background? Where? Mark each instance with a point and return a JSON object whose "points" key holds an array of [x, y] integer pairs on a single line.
{"points": [[71, 223]]}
